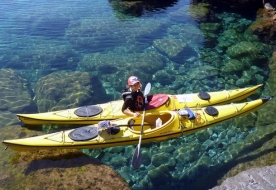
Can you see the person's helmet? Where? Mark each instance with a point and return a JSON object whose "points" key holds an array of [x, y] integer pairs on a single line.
{"points": [[132, 80]]}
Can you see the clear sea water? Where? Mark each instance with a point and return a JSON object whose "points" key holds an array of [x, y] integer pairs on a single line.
{"points": [[38, 38]]}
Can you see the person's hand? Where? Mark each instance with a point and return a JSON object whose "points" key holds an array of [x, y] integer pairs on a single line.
{"points": [[136, 114]]}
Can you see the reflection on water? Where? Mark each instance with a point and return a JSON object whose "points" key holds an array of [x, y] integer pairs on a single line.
{"points": [[62, 55]]}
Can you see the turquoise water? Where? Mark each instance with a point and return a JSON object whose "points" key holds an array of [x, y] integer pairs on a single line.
{"points": [[48, 51]]}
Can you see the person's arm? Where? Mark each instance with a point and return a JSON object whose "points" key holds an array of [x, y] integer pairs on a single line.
{"points": [[127, 111], [131, 113]]}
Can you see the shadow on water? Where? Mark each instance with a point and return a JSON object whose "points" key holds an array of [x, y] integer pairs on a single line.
{"points": [[237, 7], [74, 160], [50, 126], [138, 8]]}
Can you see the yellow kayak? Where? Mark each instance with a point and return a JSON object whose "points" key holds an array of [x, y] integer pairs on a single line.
{"points": [[126, 131], [92, 114]]}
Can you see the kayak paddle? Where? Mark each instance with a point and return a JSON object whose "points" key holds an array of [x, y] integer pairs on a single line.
{"points": [[137, 157]]}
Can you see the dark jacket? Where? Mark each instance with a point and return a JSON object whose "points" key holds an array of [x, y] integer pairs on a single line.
{"points": [[134, 101]]}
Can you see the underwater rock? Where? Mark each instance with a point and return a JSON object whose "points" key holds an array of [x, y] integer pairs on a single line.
{"points": [[199, 168], [251, 76], [210, 27], [189, 34], [63, 90], [128, 150], [233, 140], [95, 153], [222, 135], [212, 153], [90, 34], [146, 157], [15, 93], [247, 53], [208, 144], [42, 57], [116, 149], [210, 31], [268, 116], [143, 183], [125, 172], [166, 146], [212, 57], [199, 12], [253, 140], [235, 25], [264, 26], [163, 77], [8, 118], [232, 66], [187, 153], [114, 63], [251, 37], [118, 161], [246, 122], [229, 38], [202, 135], [115, 68], [243, 81], [231, 133], [203, 72], [159, 159], [170, 47], [134, 8], [159, 175]]}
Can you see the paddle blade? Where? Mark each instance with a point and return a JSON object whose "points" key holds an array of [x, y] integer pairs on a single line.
{"points": [[137, 158], [147, 89]]}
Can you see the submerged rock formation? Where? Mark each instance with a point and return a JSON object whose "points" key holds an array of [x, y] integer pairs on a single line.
{"points": [[61, 90]]}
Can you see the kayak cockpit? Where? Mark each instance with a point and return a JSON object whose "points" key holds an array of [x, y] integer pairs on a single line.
{"points": [[119, 128], [134, 124]]}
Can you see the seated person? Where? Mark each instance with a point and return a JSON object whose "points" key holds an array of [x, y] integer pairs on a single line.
{"points": [[134, 99]]}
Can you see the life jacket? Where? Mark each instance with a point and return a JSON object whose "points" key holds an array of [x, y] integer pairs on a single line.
{"points": [[126, 93], [138, 99]]}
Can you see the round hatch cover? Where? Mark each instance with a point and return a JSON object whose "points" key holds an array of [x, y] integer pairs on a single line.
{"points": [[211, 111], [204, 96], [84, 133], [88, 111]]}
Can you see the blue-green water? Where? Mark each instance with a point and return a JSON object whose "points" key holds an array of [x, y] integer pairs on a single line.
{"points": [[56, 55]]}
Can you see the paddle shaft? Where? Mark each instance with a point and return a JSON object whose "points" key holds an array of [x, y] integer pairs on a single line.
{"points": [[137, 157], [142, 127]]}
